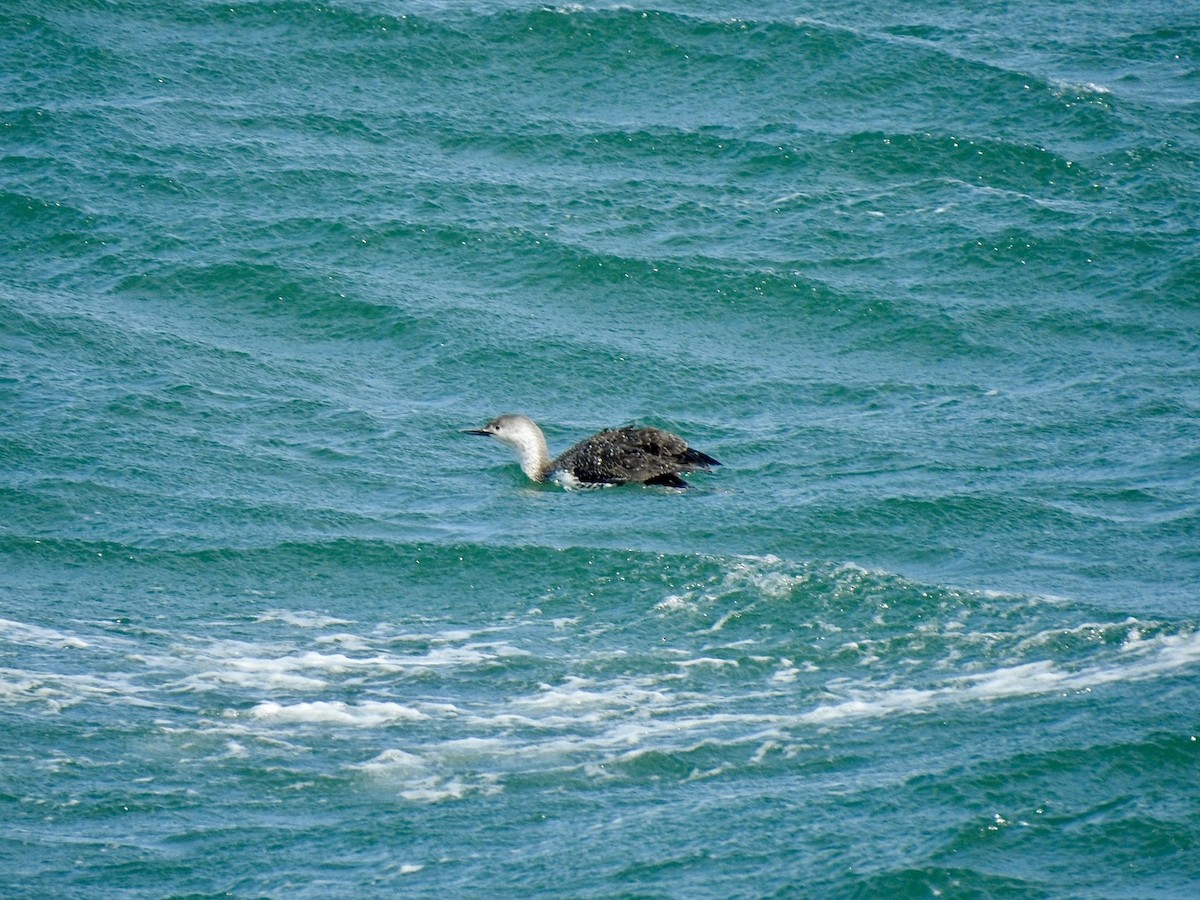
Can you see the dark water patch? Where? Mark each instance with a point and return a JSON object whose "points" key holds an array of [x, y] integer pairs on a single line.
{"points": [[53, 239], [959, 880], [1141, 55], [999, 165], [1176, 286], [752, 595], [1033, 807], [37, 220], [291, 302], [50, 50]]}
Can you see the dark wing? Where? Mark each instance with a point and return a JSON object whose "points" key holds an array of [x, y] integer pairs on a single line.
{"points": [[630, 454]]}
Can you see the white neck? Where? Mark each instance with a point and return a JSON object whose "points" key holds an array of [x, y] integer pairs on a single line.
{"points": [[532, 451]]}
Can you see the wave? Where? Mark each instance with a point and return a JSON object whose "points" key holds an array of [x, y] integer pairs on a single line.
{"points": [[761, 650], [423, 678]]}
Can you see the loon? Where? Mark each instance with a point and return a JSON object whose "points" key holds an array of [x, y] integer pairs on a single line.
{"points": [[628, 455]]}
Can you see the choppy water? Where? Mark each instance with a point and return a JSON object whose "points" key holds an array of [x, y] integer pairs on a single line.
{"points": [[925, 279]]}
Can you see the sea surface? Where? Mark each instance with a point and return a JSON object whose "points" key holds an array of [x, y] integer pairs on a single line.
{"points": [[924, 277]]}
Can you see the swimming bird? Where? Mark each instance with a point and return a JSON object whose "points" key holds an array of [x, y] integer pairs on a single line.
{"points": [[628, 455]]}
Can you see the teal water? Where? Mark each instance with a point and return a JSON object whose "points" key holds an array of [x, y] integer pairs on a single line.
{"points": [[925, 279]]}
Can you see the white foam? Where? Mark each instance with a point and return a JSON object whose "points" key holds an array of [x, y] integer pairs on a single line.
{"points": [[35, 635], [724, 620], [590, 724], [454, 637], [301, 619], [470, 750], [673, 602], [1136, 660], [367, 714], [392, 761], [1163, 654], [350, 642], [1095, 630], [1060, 88], [883, 703], [436, 789], [59, 691], [247, 675], [578, 693], [707, 661], [416, 780], [243, 665], [786, 673]]}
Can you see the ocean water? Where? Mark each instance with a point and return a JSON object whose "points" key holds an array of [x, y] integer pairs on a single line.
{"points": [[924, 277]]}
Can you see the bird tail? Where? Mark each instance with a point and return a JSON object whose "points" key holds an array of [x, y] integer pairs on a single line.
{"points": [[696, 458]]}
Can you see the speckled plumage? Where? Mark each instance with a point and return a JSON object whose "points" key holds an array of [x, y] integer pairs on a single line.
{"points": [[628, 455]]}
